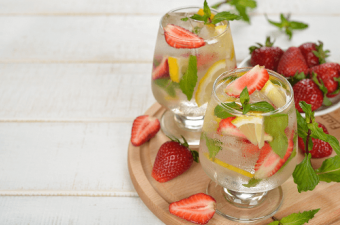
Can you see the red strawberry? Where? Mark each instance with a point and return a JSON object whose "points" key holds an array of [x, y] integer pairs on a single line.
{"points": [[198, 208], [320, 148], [306, 90], [267, 56], [178, 37], [269, 162], [225, 127], [313, 53], [143, 129], [162, 70], [327, 72], [292, 61], [173, 159], [254, 79]]}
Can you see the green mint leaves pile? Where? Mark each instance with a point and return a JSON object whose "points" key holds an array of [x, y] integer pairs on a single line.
{"points": [[304, 175], [219, 17], [288, 25], [241, 6], [296, 218]]}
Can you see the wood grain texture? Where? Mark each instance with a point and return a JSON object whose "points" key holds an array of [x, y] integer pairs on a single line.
{"points": [[64, 158], [74, 92], [158, 196], [75, 210]]}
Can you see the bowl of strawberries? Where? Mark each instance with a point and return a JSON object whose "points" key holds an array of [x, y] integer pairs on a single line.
{"points": [[314, 79]]}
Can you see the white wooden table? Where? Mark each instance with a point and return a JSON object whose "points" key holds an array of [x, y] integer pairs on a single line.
{"points": [[73, 76]]}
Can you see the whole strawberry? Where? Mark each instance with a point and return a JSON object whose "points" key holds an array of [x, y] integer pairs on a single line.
{"points": [[320, 148], [292, 61], [143, 129], [173, 159], [329, 73], [313, 53], [308, 91], [267, 56]]}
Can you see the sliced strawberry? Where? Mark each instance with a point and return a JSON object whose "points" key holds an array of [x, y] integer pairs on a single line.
{"points": [[162, 70], [178, 37], [198, 208], [269, 162], [143, 129], [225, 127], [254, 79]]}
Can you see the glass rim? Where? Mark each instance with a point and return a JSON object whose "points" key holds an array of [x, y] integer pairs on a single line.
{"points": [[195, 7], [242, 69]]}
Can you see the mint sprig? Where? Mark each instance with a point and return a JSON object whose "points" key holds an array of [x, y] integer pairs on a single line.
{"points": [[296, 218], [189, 79], [219, 17], [304, 175], [287, 25], [168, 86], [242, 7]]}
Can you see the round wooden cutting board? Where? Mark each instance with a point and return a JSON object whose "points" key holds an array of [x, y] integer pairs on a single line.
{"points": [[158, 196]]}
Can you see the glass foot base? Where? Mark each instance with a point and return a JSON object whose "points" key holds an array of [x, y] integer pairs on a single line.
{"points": [[174, 127], [244, 207]]}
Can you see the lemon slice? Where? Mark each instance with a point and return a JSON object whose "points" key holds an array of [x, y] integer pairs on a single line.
{"points": [[220, 29], [252, 127], [228, 166], [205, 85], [177, 67], [275, 95]]}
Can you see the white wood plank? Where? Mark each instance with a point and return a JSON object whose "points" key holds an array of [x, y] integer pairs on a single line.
{"points": [[74, 92], [65, 157], [75, 210], [114, 39], [155, 7]]}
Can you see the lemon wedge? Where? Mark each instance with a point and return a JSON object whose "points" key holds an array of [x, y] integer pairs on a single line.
{"points": [[228, 166], [177, 67], [205, 85], [252, 127], [275, 95]]}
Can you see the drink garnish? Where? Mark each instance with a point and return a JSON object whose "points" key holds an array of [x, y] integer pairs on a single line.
{"points": [[168, 85], [208, 19], [213, 145], [288, 25], [179, 37], [296, 218], [189, 79]]}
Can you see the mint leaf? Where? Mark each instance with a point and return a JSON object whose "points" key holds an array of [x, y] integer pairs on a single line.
{"points": [[252, 182], [233, 105], [302, 125], [213, 145], [219, 17], [297, 218], [287, 25], [275, 126], [206, 9], [241, 6], [185, 19], [305, 176], [199, 18], [330, 170], [167, 85], [244, 96], [261, 107], [189, 79], [220, 112]]}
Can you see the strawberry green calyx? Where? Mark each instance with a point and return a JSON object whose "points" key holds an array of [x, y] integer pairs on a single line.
{"points": [[288, 25], [296, 78], [322, 87], [268, 43], [194, 153], [320, 53]]}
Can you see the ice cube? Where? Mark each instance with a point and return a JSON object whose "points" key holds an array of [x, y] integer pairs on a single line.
{"points": [[175, 18], [258, 96]]}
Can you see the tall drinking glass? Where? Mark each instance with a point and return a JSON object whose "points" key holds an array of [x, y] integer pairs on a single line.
{"points": [[184, 71], [248, 156]]}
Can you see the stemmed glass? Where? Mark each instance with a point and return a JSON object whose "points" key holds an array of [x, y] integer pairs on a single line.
{"points": [[248, 156], [173, 77]]}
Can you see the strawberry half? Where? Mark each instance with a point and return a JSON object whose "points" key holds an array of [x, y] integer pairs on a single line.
{"points": [[254, 79], [143, 129], [162, 70], [269, 162], [173, 158], [178, 37], [198, 208]]}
